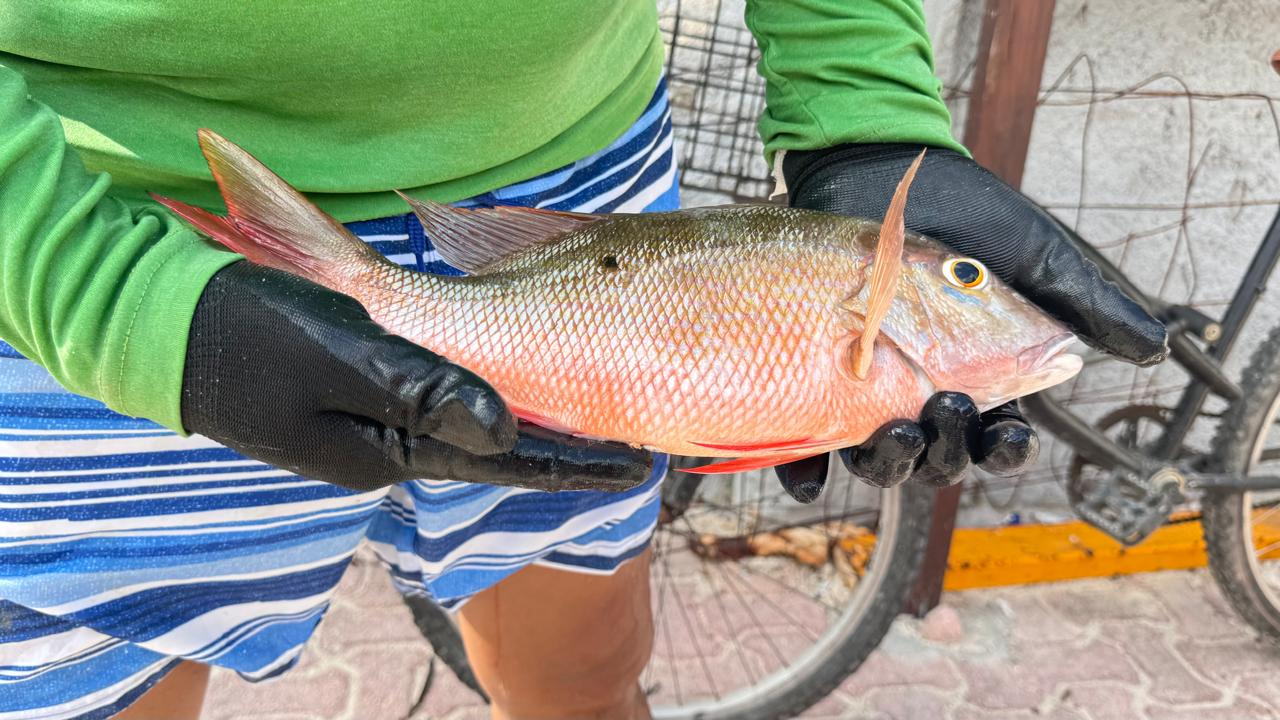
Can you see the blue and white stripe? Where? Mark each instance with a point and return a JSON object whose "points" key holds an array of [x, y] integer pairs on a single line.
{"points": [[125, 548]]}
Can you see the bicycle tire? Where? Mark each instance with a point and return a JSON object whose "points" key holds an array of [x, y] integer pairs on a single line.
{"points": [[805, 688], [1227, 515]]}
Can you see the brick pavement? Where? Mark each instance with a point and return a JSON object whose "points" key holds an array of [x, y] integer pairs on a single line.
{"points": [[1162, 646]]}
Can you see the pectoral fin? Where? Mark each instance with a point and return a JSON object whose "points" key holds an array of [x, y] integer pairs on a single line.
{"points": [[885, 271]]}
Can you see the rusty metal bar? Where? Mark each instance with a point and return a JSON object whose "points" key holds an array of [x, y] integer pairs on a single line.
{"points": [[1011, 51]]}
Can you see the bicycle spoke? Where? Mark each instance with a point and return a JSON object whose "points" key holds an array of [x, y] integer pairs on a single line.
{"points": [[724, 612], [1266, 514], [666, 626], [1263, 551], [697, 645], [769, 601], [751, 612], [710, 572]]}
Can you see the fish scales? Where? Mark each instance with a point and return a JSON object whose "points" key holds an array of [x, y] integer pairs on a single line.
{"points": [[706, 316], [735, 331]]}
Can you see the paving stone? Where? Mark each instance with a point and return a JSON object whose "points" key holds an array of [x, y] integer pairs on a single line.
{"points": [[1028, 653], [367, 584], [910, 703], [391, 677], [285, 716], [319, 694], [1238, 710], [971, 713], [1224, 662], [1194, 603], [449, 698], [1035, 672], [1103, 702], [1091, 601], [988, 632], [884, 670], [1034, 621], [474, 712], [1263, 689], [349, 625], [1171, 680]]}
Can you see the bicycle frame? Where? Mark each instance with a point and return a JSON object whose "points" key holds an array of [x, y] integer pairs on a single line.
{"points": [[1158, 469]]}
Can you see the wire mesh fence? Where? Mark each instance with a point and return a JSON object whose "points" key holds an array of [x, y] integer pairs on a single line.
{"points": [[1175, 178], [716, 96]]}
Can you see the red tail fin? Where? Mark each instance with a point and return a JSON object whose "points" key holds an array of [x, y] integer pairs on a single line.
{"points": [[224, 230], [271, 223]]}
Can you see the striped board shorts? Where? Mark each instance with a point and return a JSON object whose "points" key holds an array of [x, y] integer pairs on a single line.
{"points": [[125, 548]]}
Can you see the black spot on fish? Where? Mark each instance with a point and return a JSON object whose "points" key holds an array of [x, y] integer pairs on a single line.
{"points": [[609, 262]]}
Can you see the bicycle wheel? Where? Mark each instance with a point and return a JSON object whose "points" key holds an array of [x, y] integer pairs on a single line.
{"points": [[762, 605], [1242, 529]]}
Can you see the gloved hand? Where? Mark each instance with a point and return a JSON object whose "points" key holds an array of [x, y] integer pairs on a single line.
{"points": [[958, 202], [292, 374]]}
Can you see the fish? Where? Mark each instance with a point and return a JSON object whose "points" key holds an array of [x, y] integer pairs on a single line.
{"points": [[756, 332]]}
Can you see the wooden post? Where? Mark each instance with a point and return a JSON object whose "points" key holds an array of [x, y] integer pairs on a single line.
{"points": [[1006, 85]]}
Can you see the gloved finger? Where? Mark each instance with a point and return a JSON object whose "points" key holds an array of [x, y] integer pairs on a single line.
{"points": [[540, 460], [1008, 443], [952, 430], [1071, 288], [804, 479], [889, 456], [1008, 448], [411, 388]]}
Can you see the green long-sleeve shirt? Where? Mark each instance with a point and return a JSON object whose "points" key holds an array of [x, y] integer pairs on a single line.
{"points": [[348, 100]]}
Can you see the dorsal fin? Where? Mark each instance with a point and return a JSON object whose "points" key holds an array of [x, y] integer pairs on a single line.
{"points": [[473, 239]]}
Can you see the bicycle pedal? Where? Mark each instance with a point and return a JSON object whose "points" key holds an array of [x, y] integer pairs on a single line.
{"points": [[1127, 512]]}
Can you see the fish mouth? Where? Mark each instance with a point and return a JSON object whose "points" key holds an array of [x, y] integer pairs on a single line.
{"points": [[1051, 352], [1039, 367]]}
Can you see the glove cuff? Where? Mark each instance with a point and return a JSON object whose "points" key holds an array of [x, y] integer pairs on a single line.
{"points": [[799, 166]]}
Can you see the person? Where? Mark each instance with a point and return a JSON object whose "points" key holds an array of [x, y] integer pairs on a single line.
{"points": [[191, 447]]}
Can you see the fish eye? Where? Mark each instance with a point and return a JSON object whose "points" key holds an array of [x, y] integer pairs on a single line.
{"points": [[965, 273]]}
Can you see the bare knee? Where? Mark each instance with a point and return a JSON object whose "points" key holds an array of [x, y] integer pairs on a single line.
{"points": [[178, 696], [591, 678], [559, 645]]}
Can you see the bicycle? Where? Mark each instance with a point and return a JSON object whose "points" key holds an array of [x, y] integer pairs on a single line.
{"points": [[833, 576], [1129, 473]]}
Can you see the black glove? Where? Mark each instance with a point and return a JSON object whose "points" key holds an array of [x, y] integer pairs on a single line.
{"points": [[958, 202], [292, 374]]}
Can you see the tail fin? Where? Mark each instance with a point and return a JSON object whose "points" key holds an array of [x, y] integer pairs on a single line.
{"points": [[271, 223]]}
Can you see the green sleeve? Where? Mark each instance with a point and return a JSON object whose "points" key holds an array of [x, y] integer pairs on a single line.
{"points": [[98, 292], [847, 71]]}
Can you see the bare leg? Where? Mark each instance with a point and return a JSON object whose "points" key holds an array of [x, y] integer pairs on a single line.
{"points": [[176, 697], [548, 643]]}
